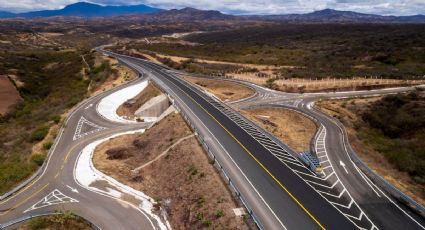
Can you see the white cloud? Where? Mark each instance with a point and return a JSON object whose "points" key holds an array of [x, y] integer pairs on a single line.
{"points": [[386, 7]]}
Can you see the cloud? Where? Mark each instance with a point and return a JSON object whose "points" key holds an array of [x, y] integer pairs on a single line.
{"points": [[385, 7]]}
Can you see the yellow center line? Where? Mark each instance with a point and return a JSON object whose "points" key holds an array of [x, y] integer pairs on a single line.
{"points": [[22, 202], [256, 160]]}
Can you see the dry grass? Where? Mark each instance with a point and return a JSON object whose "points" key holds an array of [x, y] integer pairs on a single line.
{"points": [[183, 181], [148, 93], [9, 96], [225, 90], [262, 68], [264, 72], [290, 127], [348, 111], [299, 85], [122, 75], [54, 223]]}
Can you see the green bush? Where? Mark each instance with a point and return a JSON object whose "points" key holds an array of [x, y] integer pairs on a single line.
{"points": [[219, 213], [38, 159], [207, 223], [38, 223], [39, 133], [56, 119], [13, 171], [47, 145]]}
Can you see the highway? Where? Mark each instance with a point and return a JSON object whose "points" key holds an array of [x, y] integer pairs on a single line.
{"points": [[281, 191]]}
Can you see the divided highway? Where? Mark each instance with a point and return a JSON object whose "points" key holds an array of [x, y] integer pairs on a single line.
{"points": [[291, 200], [281, 191]]}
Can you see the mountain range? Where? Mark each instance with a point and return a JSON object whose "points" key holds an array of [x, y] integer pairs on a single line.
{"points": [[89, 10], [84, 9]]}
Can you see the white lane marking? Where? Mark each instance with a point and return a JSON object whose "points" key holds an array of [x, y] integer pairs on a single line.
{"points": [[51, 152], [343, 165], [344, 189], [401, 209], [84, 122], [345, 206], [227, 153], [53, 198], [72, 189]]}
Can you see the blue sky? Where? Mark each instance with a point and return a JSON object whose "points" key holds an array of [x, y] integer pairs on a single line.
{"points": [[384, 7]]}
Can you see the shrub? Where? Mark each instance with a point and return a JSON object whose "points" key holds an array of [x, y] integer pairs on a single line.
{"points": [[207, 223], [199, 216], [39, 133], [56, 119], [192, 170], [47, 145], [219, 213], [118, 153], [38, 159], [200, 201], [139, 144], [37, 223]]}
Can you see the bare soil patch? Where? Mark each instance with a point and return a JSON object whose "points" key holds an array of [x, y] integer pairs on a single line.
{"points": [[9, 96], [183, 181], [225, 90], [128, 108], [290, 127], [348, 111]]}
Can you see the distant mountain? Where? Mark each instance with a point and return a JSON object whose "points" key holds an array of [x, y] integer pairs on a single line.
{"points": [[4, 14], [150, 14], [329, 15], [193, 14], [84, 9]]}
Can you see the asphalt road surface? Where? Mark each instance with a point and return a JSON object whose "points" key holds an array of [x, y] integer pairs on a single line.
{"points": [[282, 193]]}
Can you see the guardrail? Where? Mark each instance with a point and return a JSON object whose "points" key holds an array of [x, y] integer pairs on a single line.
{"points": [[28, 217], [377, 179], [216, 163], [381, 182], [221, 169]]}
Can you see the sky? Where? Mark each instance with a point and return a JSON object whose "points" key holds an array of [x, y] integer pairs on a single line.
{"points": [[382, 7]]}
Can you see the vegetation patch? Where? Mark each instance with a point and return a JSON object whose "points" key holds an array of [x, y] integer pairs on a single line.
{"points": [[66, 221], [387, 133], [397, 130], [317, 50], [47, 93]]}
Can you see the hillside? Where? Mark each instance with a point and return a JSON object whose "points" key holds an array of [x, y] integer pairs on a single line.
{"points": [[330, 15], [311, 50]]}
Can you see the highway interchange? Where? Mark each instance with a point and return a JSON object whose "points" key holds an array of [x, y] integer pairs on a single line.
{"points": [[281, 191]]}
